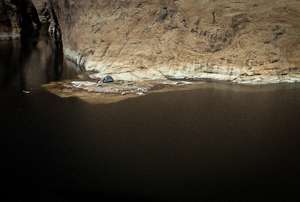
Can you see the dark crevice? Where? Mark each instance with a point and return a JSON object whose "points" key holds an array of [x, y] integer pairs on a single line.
{"points": [[54, 28], [28, 18], [56, 38]]}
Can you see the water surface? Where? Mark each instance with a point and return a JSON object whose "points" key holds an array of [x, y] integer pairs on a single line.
{"points": [[220, 142]]}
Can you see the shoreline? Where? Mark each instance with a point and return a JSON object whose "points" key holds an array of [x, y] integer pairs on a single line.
{"points": [[189, 72], [89, 92]]}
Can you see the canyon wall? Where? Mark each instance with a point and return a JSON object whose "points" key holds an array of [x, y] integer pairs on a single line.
{"points": [[18, 17], [243, 41], [9, 26], [255, 41]]}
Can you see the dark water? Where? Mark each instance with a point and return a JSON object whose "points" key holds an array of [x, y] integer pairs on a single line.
{"points": [[27, 64], [218, 143]]}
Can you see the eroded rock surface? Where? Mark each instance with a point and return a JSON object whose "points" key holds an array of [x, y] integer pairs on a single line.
{"points": [[9, 27], [254, 41], [18, 17]]}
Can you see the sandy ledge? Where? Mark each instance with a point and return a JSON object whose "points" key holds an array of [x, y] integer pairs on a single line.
{"points": [[132, 82], [94, 93]]}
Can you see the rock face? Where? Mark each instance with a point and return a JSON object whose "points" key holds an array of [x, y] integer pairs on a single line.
{"points": [[255, 41], [17, 17], [9, 27], [40, 5]]}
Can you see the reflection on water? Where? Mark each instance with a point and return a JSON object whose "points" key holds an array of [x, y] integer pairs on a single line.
{"points": [[31, 62]]}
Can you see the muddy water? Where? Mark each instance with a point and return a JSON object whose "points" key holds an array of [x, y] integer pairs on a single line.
{"points": [[220, 142]]}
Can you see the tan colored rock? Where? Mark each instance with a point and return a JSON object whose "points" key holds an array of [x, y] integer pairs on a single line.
{"points": [[243, 41]]}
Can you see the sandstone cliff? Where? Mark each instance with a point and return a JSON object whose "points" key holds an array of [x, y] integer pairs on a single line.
{"points": [[255, 41]]}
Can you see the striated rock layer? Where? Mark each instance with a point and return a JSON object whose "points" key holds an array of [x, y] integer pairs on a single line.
{"points": [[255, 41]]}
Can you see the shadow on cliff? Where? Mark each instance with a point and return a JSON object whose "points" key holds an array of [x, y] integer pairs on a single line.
{"points": [[28, 17]]}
